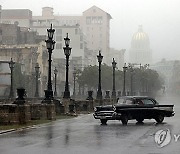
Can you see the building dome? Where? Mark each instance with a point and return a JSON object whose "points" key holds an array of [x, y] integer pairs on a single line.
{"points": [[140, 39], [140, 51]]}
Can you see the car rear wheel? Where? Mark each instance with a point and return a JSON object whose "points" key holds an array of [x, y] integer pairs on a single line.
{"points": [[103, 121], [159, 118], [124, 119]]}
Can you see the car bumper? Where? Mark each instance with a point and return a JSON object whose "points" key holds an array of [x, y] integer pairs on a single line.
{"points": [[108, 115], [172, 114]]}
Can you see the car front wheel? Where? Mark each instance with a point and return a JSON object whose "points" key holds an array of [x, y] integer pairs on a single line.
{"points": [[103, 121], [124, 119], [159, 118]]}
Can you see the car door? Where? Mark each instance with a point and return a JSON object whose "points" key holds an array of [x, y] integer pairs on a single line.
{"points": [[148, 109]]}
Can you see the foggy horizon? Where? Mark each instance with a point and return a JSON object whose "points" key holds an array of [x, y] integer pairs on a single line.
{"points": [[160, 20]]}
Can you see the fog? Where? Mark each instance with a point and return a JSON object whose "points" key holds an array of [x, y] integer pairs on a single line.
{"points": [[160, 20]]}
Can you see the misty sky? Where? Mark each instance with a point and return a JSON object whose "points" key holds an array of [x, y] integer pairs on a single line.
{"points": [[160, 19]]}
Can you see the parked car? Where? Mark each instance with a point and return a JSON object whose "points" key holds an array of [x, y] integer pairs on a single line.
{"points": [[133, 107]]}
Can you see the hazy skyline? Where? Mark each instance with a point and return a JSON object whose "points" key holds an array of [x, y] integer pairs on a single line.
{"points": [[160, 20]]}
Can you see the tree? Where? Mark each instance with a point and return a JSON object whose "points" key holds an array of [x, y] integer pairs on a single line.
{"points": [[144, 80], [88, 76]]}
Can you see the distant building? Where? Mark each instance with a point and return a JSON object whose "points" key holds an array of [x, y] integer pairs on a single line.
{"points": [[27, 56], [94, 24], [118, 55], [11, 34], [26, 48], [19, 17], [167, 70], [140, 51]]}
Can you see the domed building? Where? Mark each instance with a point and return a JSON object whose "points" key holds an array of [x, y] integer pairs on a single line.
{"points": [[140, 51]]}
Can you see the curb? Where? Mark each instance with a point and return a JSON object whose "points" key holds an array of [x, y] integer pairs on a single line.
{"points": [[7, 131], [12, 130]]}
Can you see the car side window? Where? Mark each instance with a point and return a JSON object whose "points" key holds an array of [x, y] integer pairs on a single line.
{"points": [[121, 101], [129, 101], [139, 102], [147, 102], [155, 103]]}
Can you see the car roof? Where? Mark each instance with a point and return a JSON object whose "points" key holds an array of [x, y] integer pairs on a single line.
{"points": [[136, 97]]}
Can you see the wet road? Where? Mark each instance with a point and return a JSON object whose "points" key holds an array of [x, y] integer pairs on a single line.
{"points": [[84, 135]]}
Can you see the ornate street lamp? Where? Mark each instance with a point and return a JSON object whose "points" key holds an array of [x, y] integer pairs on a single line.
{"points": [[74, 78], [50, 46], [55, 78], [124, 81], [11, 66], [99, 92], [114, 89], [37, 82], [67, 52]]}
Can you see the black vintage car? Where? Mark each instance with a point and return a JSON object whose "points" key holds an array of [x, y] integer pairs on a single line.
{"points": [[133, 107]]}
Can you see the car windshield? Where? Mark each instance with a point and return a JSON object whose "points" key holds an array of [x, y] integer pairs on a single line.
{"points": [[148, 102], [125, 101]]}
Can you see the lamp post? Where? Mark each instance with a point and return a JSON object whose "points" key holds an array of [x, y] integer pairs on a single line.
{"points": [[50, 46], [131, 78], [55, 78], [74, 78], [144, 80], [67, 52], [11, 66], [124, 80], [37, 83], [114, 89], [99, 92]]}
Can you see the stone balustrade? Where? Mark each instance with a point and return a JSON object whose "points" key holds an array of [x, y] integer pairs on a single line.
{"points": [[21, 112]]}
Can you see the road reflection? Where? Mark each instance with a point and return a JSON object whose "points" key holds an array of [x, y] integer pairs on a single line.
{"points": [[67, 135], [49, 136]]}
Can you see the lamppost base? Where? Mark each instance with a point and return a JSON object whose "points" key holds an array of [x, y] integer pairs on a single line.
{"points": [[124, 94], [113, 95], [36, 95], [48, 94], [55, 94], [66, 94], [11, 95], [99, 95]]}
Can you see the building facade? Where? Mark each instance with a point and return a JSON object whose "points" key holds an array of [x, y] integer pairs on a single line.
{"points": [[96, 26]]}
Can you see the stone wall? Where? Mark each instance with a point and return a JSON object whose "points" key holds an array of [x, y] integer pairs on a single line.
{"points": [[77, 106], [14, 114], [21, 114], [42, 111], [84, 105]]}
